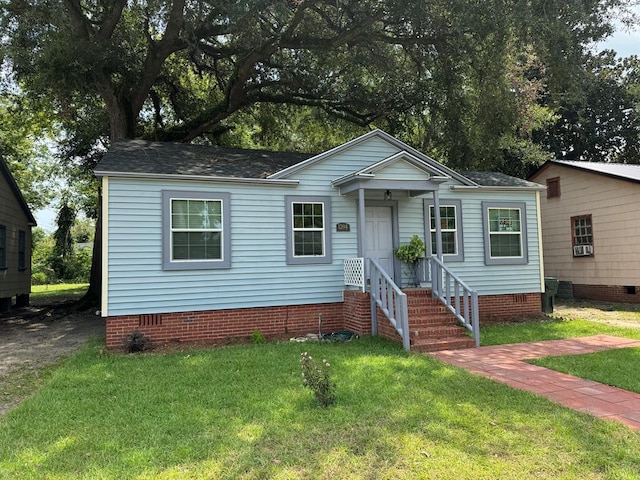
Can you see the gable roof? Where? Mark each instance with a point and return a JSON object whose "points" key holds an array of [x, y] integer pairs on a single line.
{"points": [[622, 171], [385, 137], [4, 169], [138, 157]]}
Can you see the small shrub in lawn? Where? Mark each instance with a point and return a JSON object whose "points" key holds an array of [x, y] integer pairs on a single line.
{"points": [[316, 376], [137, 342], [258, 337]]}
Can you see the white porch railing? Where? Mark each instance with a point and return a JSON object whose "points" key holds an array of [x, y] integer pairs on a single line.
{"points": [[458, 297], [392, 301]]}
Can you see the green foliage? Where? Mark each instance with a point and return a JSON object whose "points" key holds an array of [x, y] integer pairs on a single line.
{"points": [[39, 278], [462, 80], [239, 412], [48, 266], [258, 337], [315, 376], [24, 137], [411, 252]]}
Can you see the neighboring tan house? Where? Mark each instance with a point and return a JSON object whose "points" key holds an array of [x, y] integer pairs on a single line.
{"points": [[203, 244], [591, 228], [16, 221]]}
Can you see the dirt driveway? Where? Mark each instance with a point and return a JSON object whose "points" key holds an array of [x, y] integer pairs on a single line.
{"points": [[35, 337]]}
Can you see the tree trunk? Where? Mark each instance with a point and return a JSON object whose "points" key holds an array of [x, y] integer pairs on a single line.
{"points": [[92, 299]]}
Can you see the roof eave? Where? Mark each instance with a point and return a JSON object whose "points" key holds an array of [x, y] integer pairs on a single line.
{"points": [[199, 178], [496, 188]]}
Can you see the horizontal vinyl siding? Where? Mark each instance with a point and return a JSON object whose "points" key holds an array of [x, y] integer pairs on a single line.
{"points": [[259, 275], [495, 279], [402, 171]]}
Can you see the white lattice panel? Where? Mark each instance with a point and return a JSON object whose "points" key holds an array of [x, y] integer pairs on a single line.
{"points": [[354, 272]]}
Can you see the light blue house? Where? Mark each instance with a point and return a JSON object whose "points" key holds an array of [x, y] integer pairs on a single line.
{"points": [[206, 244]]}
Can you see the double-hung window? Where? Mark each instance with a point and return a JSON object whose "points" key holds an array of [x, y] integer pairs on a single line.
{"points": [[196, 230], [505, 233], [307, 229], [450, 228], [3, 247]]}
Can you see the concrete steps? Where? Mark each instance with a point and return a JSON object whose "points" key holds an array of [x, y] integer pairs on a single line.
{"points": [[432, 326]]}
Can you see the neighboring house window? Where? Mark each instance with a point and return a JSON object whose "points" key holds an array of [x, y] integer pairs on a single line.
{"points": [[553, 187], [22, 250], [3, 246], [308, 221], [450, 226], [196, 230], [505, 233], [582, 233]]}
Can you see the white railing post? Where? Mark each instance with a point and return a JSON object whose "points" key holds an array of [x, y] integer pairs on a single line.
{"points": [[453, 295], [392, 301]]}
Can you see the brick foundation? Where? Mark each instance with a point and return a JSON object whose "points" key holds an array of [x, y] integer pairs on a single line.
{"points": [[223, 326], [514, 305], [607, 293]]}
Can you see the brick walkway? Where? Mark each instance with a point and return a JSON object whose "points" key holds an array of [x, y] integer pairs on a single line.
{"points": [[504, 363]]}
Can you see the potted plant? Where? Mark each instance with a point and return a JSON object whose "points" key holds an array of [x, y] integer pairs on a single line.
{"points": [[410, 254]]}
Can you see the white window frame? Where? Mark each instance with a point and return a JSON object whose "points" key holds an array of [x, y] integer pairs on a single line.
{"points": [[457, 205], [168, 262], [523, 258], [292, 258]]}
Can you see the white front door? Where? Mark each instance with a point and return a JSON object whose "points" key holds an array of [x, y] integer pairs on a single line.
{"points": [[379, 237]]}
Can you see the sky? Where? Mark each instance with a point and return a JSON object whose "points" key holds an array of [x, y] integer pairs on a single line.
{"points": [[625, 43]]}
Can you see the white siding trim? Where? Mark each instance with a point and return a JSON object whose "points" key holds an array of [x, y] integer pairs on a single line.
{"points": [[105, 248], [540, 249]]}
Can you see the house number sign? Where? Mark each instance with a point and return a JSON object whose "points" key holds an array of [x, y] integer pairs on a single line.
{"points": [[343, 227]]}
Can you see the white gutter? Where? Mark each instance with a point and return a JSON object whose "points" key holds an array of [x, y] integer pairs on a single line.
{"points": [[201, 178], [495, 188], [104, 294], [540, 249]]}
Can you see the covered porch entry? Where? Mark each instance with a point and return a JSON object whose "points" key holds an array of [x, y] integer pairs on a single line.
{"points": [[389, 198]]}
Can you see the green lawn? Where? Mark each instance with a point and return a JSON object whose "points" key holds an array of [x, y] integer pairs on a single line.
{"points": [[618, 367], [241, 412], [536, 330], [57, 292]]}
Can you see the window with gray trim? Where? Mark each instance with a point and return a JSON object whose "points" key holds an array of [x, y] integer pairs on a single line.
{"points": [[3, 247], [450, 226], [308, 221], [505, 233], [196, 230], [22, 250]]}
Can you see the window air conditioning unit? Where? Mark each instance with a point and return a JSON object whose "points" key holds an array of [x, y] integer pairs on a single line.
{"points": [[582, 250]]}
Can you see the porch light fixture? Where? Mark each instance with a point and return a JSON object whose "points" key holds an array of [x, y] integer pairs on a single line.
{"points": [[387, 195]]}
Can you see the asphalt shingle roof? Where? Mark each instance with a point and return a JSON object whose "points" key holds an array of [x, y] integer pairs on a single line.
{"points": [[164, 158], [497, 179]]}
